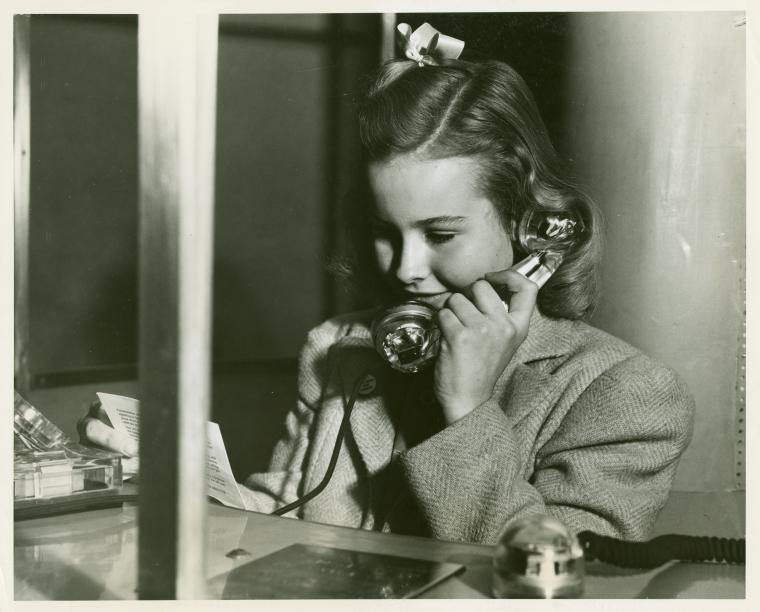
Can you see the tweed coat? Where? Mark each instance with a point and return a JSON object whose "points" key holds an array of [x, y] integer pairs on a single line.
{"points": [[581, 426]]}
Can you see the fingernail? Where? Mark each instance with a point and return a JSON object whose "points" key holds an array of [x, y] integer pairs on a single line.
{"points": [[131, 448]]}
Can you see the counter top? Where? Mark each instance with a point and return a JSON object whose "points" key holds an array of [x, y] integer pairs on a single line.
{"points": [[92, 555]]}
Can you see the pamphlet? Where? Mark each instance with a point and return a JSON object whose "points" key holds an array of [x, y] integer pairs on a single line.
{"points": [[123, 412]]}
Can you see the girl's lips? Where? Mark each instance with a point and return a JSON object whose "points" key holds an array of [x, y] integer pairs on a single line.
{"points": [[437, 300]]}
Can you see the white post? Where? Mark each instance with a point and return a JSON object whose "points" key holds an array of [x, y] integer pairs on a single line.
{"points": [[21, 137], [177, 125], [388, 37]]}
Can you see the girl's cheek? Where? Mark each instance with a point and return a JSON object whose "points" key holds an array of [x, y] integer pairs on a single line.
{"points": [[383, 255], [460, 270], [453, 273]]}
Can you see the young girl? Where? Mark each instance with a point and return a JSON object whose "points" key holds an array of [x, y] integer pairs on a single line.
{"points": [[526, 410]]}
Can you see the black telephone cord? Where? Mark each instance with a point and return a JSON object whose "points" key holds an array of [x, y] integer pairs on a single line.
{"points": [[660, 550], [333, 458]]}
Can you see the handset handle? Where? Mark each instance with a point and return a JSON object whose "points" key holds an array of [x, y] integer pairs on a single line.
{"points": [[539, 266], [547, 235]]}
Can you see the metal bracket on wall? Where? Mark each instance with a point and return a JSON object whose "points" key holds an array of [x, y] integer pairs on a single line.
{"points": [[740, 429]]}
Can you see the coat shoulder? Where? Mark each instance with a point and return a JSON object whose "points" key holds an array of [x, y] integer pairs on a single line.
{"points": [[353, 324], [315, 360], [575, 342], [631, 385]]}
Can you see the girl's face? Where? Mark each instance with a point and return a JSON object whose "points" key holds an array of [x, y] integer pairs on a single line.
{"points": [[434, 231]]}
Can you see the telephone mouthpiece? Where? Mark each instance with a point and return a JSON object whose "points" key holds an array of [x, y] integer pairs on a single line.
{"points": [[407, 336]]}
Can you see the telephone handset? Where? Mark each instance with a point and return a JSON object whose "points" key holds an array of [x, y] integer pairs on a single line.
{"points": [[407, 336]]}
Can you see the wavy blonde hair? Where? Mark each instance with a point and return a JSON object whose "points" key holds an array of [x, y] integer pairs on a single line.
{"points": [[482, 110]]}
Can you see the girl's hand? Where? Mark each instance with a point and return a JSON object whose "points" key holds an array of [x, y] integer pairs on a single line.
{"points": [[478, 338], [95, 429]]}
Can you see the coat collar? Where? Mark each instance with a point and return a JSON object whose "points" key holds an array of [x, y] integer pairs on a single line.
{"points": [[547, 338]]}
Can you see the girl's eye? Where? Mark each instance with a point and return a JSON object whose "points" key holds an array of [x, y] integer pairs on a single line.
{"points": [[439, 237]]}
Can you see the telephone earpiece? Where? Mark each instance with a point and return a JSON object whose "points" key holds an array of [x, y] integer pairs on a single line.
{"points": [[406, 335], [547, 236]]}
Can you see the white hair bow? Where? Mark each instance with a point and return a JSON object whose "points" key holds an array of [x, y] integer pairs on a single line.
{"points": [[426, 44]]}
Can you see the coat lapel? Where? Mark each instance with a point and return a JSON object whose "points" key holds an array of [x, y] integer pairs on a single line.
{"points": [[522, 387]]}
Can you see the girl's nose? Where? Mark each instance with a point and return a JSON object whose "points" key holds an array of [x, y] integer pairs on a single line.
{"points": [[412, 262]]}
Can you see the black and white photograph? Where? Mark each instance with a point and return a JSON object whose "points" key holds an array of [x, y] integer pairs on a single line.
{"points": [[329, 303]]}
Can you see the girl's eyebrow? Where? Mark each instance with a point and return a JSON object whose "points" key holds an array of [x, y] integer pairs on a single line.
{"points": [[443, 220], [453, 221]]}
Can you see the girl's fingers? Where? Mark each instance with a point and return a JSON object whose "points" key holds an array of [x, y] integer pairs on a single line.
{"points": [[96, 411], [97, 432], [524, 293], [487, 300], [464, 309], [449, 322]]}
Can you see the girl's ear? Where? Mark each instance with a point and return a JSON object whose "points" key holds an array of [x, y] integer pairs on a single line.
{"points": [[513, 235]]}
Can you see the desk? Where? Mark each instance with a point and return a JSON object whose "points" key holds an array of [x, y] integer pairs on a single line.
{"points": [[92, 555]]}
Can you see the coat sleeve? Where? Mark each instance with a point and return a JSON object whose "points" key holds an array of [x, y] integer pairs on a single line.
{"points": [[280, 484], [608, 467]]}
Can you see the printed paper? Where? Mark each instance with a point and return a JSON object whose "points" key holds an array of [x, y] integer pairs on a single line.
{"points": [[124, 413]]}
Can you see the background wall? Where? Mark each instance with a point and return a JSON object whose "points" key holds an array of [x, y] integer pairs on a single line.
{"points": [[83, 211], [655, 125], [286, 149]]}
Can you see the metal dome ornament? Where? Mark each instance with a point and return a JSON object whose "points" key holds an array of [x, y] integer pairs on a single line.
{"points": [[538, 557]]}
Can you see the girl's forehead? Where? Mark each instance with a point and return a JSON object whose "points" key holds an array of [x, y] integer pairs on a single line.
{"points": [[441, 186], [417, 166]]}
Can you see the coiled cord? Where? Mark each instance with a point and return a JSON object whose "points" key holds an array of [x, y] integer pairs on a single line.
{"points": [[660, 550]]}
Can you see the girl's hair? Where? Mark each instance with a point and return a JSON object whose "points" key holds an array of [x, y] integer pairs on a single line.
{"points": [[482, 110]]}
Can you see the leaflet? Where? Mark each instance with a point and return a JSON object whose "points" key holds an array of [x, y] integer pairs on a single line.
{"points": [[123, 412], [219, 479]]}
